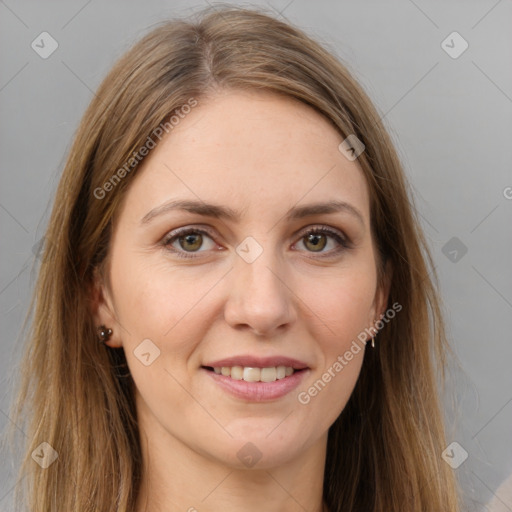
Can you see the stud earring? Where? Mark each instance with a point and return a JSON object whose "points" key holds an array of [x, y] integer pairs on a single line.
{"points": [[104, 334]]}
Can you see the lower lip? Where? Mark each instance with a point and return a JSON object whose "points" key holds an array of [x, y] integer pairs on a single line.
{"points": [[258, 391]]}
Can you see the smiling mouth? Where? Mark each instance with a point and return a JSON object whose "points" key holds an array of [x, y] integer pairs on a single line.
{"points": [[253, 374]]}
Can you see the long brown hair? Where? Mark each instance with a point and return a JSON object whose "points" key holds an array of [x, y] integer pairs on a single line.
{"points": [[384, 450]]}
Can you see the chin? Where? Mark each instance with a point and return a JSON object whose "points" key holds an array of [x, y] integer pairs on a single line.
{"points": [[257, 452]]}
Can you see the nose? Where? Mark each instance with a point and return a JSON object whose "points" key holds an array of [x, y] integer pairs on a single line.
{"points": [[261, 297]]}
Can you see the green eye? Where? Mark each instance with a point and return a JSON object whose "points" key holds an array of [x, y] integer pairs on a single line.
{"points": [[195, 241], [317, 240], [191, 240]]}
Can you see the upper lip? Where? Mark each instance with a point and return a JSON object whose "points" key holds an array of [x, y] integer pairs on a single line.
{"points": [[258, 362]]}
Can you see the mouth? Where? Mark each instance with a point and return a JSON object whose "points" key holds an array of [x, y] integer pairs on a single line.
{"points": [[253, 384], [255, 374]]}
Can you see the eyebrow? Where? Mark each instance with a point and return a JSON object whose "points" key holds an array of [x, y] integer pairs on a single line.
{"points": [[223, 212]]}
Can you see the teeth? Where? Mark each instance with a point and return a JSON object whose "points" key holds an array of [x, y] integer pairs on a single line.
{"points": [[237, 372], [250, 374], [268, 374]]}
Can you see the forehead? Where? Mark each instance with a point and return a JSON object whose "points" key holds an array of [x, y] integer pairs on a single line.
{"points": [[260, 153]]}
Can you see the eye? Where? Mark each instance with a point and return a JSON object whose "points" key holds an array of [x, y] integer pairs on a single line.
{"points": [[187, 241], [317, 239]]}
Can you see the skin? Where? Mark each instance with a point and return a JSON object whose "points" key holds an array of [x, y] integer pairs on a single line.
{"points": [[261, 154]]}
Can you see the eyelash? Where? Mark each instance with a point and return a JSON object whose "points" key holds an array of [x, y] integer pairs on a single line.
{"points": [[342, 241]]}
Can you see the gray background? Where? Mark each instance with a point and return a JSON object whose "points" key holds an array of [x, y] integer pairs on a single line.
{"points": [[450, 119]]}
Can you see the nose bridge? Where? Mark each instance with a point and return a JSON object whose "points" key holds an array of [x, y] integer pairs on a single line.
{"points": [[262, 275], [258, 295]]}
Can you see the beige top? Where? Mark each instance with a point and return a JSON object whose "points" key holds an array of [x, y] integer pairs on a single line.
{"points": [[502, 499]]}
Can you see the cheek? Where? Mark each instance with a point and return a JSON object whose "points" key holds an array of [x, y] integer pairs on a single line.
{"points": [[171, 309], [159, 302], [145, 301], [342, 304], [162, 305]]}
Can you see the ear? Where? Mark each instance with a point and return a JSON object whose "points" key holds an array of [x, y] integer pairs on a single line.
{"points": [[102, 309], [382, 294]]}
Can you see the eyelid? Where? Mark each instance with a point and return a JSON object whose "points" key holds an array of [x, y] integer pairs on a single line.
{"points": [[323, 228], [186, 229]]}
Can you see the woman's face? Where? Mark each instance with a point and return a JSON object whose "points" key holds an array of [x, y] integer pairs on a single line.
{"points": [[249, 282]]}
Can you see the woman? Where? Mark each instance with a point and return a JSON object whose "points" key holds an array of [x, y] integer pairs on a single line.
{"points": [[232, 228]]}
